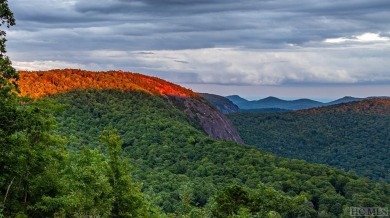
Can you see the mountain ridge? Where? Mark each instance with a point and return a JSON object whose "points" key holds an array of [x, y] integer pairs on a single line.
{"points": [[62, 80], [297, 104], [344, 99], [365, 106], [274, 102], [38, 84]]}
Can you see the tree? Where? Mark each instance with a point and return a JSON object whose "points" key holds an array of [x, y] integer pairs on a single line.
{"points": [[29, 155], [8, 74], [27, 147], [83, 188], [8, 105], [230, 200], [303, 208], [128, 198]]}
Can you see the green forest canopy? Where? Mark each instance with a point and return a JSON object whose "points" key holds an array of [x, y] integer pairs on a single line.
{"points": [[352, 141], [171, 157]]}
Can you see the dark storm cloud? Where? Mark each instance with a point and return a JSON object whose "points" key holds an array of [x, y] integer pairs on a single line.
{"points": [[201, 23], [250, 23]]}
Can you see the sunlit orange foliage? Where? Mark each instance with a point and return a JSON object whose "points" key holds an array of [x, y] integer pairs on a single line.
{"points": [[44, 83]]}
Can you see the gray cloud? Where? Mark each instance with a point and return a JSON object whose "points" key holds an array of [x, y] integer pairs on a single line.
{"points": [[266, 41], [202, 24]]}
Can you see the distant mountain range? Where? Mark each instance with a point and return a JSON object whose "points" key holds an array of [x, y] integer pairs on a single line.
{"points": [[235, 103], [273, 102]]}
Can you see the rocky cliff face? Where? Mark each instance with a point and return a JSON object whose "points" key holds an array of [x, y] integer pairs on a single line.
{"points": [[213, 122]]}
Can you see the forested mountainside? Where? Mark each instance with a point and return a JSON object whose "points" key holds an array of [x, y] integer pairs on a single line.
{"points": [[352, 136], [46, 83], [184, 171]]}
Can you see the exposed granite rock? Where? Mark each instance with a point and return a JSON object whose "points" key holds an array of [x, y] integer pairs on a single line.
{"points": [[212, 121]]}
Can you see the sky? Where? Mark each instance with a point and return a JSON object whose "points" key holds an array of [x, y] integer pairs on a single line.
{"points": [[321, 49]]}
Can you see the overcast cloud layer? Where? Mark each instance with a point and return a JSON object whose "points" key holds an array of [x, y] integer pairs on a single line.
{"points": [[247, 42]]}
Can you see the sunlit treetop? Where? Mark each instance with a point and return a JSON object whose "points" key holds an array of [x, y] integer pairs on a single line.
{"points": [[44, 83]]}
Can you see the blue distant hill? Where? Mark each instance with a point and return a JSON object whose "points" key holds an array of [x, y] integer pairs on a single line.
{"points": [[273, 102], [345, 99]]}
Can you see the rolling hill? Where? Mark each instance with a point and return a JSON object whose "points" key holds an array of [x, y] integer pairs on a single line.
{"points": [[345, 99], [352, 136], [187, 173]]}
